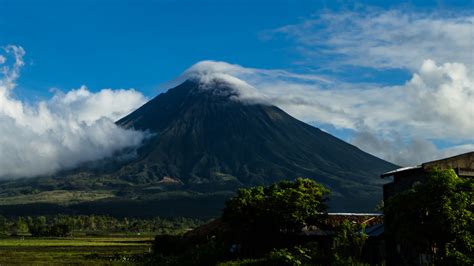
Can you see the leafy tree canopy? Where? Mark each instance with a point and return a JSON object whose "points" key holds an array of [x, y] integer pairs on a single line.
{"points": [[435, 217], [285, 207]]}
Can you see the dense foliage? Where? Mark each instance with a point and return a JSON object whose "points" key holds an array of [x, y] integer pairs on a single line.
{"points": [[349, 242], [285, 207], [261, 217], [435, 217], [184, 250], [263, 226], [65, 225]]}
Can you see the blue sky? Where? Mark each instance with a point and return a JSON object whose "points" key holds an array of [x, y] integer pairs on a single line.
{"points": [[141, 44], [130, 44], [145, 44]]}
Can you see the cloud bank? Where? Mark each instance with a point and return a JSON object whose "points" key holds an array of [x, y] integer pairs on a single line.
{"points": [[60, 133]]}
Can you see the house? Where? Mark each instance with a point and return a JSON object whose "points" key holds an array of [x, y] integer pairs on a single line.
{"points": [[373, 251], [404, 178]]}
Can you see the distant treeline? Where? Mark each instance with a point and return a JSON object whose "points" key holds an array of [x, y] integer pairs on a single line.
{"points": [[65, 225]]}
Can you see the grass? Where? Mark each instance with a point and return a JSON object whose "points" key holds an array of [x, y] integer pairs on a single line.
{"points": [[109, 250], [57, 196]]}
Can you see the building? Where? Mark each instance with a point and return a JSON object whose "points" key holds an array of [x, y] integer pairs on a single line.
{"points": [[373, 251], [405, 178]]}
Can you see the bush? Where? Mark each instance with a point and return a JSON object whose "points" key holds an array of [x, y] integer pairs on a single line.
{"points": [[295, 257], [60, 230]]}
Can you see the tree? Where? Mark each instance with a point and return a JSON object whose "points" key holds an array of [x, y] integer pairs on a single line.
{"points": [[20, 226], [435, 217], [260, 216], [349, 242], [38, 227], [60, 229], [4, 225]]}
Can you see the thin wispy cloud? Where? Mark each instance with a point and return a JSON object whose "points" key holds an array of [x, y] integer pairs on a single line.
{"points": [[11, 72], [399, 123], [396, 38]]}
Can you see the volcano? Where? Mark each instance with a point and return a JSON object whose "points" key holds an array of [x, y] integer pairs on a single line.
{"points": [[208, 137], [205, 140]]}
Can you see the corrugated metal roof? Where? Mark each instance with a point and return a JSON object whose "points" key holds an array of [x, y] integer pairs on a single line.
{"points": [[403, 169], [463, 161], [354, 214]]}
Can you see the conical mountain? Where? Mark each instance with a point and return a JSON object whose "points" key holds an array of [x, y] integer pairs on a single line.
{"points": [[207, 137]]}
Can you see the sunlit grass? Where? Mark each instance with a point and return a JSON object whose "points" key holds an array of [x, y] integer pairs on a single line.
{"points": [[57, 196], [73, 250]]}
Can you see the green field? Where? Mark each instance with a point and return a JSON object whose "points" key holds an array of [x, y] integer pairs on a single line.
{"points": [[110, 250], [64, 197]]}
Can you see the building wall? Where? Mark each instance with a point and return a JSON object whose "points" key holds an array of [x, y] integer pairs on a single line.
{"points": [[403, 181], [463, 161], [463, 165]]}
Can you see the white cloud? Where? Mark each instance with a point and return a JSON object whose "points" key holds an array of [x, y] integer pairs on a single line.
{"points": [[436, 103], [89, 106], [214, 74], [10, 72], [406, 153], [397, 123], [69, 129], [383, 38]]}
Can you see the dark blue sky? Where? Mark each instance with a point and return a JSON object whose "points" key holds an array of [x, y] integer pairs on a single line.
{"points": [[142, 44]]}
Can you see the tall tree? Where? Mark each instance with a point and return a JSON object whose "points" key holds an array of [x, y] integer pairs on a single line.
{"points": [[435, 217], [259, 216]]}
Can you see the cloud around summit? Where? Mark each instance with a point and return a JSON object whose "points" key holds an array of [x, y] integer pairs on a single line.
{"points": [[398, 123]]}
